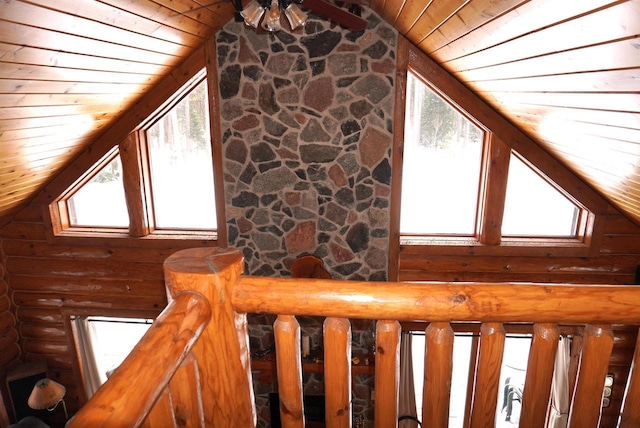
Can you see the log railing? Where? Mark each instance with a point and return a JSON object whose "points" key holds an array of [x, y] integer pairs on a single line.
{"points": [[169, 378]]}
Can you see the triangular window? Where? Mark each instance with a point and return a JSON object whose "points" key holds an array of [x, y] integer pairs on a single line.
{"points": [[100, 202], [533, 207]]}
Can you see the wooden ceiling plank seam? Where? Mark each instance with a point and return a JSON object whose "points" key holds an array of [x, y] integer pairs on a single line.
{"points": [[68, 136], [16, 33], [612, 55], [121, 18], [58, 74], [49, 19], [40, 100], [472, 16], [568, 35], [621, 140], [167, 17], [410, 14], [619, 80], [28, 124], [26, 55], [8, 86], [215, 15], [438, 13], [620, 102], [96, 111], [533, 118], [603, 168], [392, 10], [530, 17], [23, 138]]}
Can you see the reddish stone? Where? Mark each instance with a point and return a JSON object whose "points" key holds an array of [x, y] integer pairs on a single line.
{"points": [[382, 190], [338, 176], [319, 94], [386, 67], [292, 198], [249, 92], [340, 253], [244, 225], [246, 122], [286, 153], [301, 118], [348, 47], [301, 238], [374, 146], [353, 217], [247, 55]]}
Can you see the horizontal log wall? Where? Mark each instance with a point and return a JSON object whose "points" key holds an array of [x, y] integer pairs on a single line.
{"points": [[9, 345], [48, 282]]}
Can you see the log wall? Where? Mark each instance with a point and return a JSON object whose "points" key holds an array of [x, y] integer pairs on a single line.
{"points": [[49, 282]]}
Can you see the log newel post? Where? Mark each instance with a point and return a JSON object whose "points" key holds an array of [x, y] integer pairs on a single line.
{"points": [[223, 350]]}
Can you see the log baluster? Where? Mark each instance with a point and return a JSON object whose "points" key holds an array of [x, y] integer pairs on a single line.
{"points": [[438, 369], [287, 334], [387, 383], [630, 414], [485, 392], [186, 397], [161, 414], [586, 406], [337, 372], [223, 349], [537, 385]]}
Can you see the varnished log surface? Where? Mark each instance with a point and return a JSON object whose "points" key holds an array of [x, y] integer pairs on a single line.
{"points": [[537, 386], [223, 351], [387, 383], [289, 371], [440, 301], [586, 402], [438, 369], [337, 372], [486, 382], [183, 320], [630, 414]]}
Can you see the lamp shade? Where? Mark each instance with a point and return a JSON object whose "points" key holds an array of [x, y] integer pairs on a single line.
{"points": [[46, 394]]}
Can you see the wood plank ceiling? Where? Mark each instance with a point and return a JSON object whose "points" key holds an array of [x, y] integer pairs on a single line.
{"points": [[566, 72]]}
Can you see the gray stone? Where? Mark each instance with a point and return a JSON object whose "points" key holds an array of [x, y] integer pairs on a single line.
{"points": [[313, 132], [318, 153], [372, 87], [274, 180]]}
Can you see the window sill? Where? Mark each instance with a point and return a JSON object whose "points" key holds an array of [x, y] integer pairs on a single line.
{"points": [[541, 247]]}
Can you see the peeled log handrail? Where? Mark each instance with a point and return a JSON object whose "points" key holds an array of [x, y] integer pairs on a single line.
{"points": [[132, 390], [440, 301]]}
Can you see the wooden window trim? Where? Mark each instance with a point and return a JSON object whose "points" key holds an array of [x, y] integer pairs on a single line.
{"points": [[487, 241]]}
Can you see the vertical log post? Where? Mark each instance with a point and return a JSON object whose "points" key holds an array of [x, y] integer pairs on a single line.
{"points": [[337, 372], [537, 385], [438, 369], [630, 415], [223, 349], [586, 407], [287, 334], [485, 393], [387, 381]]}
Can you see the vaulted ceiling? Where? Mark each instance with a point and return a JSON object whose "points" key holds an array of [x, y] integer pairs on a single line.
{"points": [[566, 72]]}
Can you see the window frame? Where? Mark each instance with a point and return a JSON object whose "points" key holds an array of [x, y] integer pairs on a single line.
{"points": [[136, 178], [487, 240]]}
